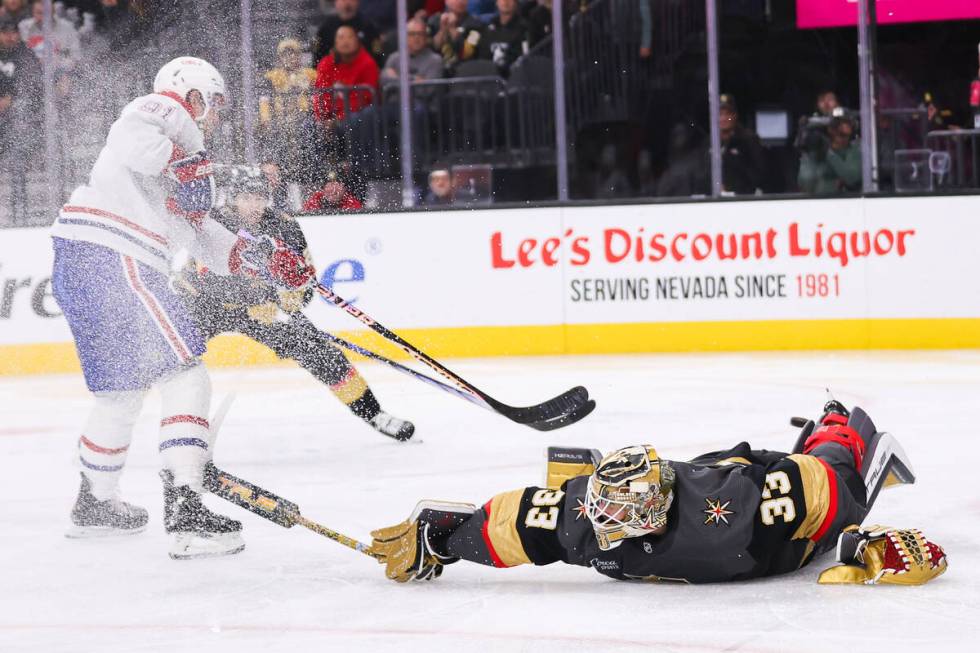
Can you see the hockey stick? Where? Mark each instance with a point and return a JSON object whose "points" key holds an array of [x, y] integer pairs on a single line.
{"points": [[547, 425], [562, 410], [269, 506], [404, 369]]}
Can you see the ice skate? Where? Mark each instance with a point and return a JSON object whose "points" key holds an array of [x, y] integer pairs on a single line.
{"points": [[391, 426], [198, 532], [108, 518]]}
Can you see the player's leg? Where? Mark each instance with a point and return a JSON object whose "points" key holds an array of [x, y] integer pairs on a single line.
{"points": [[300, 340], [185, 435], [185, 446], [102, 451], [91, 291]]}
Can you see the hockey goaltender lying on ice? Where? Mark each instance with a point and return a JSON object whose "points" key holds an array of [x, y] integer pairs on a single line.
{"points": [[631, 515], [726, 515]]}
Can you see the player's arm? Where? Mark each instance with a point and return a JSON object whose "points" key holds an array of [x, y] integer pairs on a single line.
{"points": [[143, 139], [294, 300], [513, 528]]}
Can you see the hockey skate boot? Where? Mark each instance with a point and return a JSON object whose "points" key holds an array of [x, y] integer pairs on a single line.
{"points": [[391, 426], [198, 532], [110, 517]]}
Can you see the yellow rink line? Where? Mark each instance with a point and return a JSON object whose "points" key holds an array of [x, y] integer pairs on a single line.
{"points": [[768, 335]]}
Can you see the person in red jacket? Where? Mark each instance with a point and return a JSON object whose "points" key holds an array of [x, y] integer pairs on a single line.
{"points": [[333, 197], [348, 64]]}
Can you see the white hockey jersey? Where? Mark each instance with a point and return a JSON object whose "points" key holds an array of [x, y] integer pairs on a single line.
{"points": [[123, 206]]}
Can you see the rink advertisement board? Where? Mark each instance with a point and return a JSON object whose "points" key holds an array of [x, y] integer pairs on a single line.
{"points": [[801, 274]]}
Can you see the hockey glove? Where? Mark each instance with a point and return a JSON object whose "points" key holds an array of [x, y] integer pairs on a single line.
{"points": [[270, 259], [293, 301], [881, 554], [193, 195], [263, 313], [412, 550]]}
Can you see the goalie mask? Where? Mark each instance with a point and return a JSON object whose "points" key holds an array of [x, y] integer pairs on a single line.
{"points": [[629, 495]]}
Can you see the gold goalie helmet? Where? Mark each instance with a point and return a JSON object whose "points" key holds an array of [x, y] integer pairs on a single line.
{"points": [[629, 495]]}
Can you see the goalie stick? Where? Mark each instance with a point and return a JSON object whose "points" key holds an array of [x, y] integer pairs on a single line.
{"points": [[562, 410], [269, 506]]}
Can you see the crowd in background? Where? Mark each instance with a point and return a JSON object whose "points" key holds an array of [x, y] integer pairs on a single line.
{"points": [[346, 79], [336, 83], [84, 33]]}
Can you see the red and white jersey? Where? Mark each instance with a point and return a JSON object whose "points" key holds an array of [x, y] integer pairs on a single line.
{"points": [[123, 205]]}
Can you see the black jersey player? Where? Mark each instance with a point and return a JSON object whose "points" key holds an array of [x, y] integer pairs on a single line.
{"points": [[724, 516], [273, 317]]}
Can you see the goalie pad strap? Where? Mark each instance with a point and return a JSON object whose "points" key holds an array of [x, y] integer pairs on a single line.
{"points": [[837, 434]]}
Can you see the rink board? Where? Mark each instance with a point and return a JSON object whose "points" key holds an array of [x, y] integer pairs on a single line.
{"points": [[770, 275]]}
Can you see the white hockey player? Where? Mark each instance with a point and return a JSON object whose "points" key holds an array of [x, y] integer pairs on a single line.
{"points": [[149, 196]]}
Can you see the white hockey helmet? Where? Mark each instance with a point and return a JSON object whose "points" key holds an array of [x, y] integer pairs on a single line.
{"points": [[186, 74]]}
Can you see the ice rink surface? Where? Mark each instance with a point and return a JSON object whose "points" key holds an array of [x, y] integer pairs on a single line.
{"points": [[295, 591]]}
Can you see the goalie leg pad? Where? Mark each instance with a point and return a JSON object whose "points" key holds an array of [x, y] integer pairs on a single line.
{"points": [[885, 465]]}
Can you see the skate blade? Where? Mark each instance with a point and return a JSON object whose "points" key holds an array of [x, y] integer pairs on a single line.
{"points": [[95, 532], [193, 546], [397, 438]]}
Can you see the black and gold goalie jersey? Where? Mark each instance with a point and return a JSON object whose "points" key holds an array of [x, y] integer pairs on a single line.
{"points": [[736, 514]]}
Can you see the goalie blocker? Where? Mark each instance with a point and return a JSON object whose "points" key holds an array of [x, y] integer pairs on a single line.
{"points": [[728, 515]]}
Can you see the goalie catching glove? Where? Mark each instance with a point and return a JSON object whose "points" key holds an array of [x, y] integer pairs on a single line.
{"points": [[881, 554], [415, 548]]}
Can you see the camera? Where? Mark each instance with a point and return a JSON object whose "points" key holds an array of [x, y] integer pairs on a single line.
{"points": [[813, 136]]}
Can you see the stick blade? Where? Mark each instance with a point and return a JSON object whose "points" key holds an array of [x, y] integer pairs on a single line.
{"points": [[566, 419], [563, 404]]}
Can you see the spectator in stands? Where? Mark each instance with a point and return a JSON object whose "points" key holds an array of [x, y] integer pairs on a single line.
{"points": [[348, 64], [67, 45], [284, 107], [505, 38], [15, 10], [363, 129], [743, 159], [423, 63], [347, 13], [687, 169], [20, 108], [835, 168], [332, 197], [440, 191], [826, 103], [455, 33]]}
